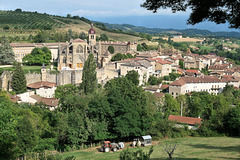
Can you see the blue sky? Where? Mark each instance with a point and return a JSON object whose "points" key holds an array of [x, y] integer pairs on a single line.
{"points": [[121, 11]]}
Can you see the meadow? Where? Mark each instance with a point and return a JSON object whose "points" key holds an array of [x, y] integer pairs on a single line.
{"points": [[197, 148]]}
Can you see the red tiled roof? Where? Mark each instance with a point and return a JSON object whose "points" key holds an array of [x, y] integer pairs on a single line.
{"points": [[164, 86], [180, 70], [42, 84], [158, 95], [203, 79], [186, 120], [48, 101], [192, 71]]}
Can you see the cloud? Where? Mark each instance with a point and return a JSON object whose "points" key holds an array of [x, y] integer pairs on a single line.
{"points": [[129, 12]]}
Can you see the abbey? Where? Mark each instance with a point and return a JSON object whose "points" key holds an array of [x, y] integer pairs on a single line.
{"points": [[73, 54]]}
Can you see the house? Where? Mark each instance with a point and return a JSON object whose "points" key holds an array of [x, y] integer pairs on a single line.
{"points": [[142, 67], [44, 88], [52, 103], [190, 84], [192, 123]]}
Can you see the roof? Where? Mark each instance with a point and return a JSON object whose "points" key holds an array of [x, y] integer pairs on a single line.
{"points": [[164, 86], [42, 84], [147, 137], [48, 101], [203, 79], [78, 40], [192, 71], [158, 95], [13, 98], [186, 120], [92, 31]]}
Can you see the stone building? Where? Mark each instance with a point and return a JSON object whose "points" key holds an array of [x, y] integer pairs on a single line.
{"points": [[189, 84]]}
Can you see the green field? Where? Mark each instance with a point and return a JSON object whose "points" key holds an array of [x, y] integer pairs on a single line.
{"points": [[23, 24], [214, 148], [26, 69]]}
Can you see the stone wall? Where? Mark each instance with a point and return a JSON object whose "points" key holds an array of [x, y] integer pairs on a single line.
{"points": [[33, 78]]}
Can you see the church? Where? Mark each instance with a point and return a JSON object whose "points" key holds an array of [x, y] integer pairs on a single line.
{"points": [[73, 54]]}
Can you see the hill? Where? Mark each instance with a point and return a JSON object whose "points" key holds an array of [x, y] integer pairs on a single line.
{"points": [[22, 23], [188, 32]]}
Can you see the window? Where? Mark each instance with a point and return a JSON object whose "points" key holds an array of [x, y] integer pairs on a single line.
{"points": [[92, 36], [79, 49]]}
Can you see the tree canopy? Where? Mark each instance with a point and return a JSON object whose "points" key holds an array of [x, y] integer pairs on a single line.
{"points": [[38, 56], [19, 83], [89, 77], [216, 11], [6, 52]]}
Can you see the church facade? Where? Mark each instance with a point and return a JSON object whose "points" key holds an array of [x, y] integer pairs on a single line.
{"points": [[73, 54]]}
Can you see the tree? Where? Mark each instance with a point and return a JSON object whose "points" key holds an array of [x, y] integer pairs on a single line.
{"points": [[103, 37], [111, 49], [137, 155], [40, 37], [38, 56], [69, 16], [153, 80], [169, 148], [83, 35], [6, 53], [215, 11], [181, 64], [19, 84], [118, 57], [89, 77], [128, 103], [133, 76]]}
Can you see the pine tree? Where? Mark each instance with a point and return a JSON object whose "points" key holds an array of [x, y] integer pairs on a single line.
{"points": [[89, 77], [19, 83], [6, 52]]}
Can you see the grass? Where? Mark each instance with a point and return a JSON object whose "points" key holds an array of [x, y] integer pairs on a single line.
{"points": [[213, 148], [26, 69], [26, 23]]}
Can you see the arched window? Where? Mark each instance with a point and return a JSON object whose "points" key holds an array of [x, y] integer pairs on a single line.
{"points": [[79, 49]]}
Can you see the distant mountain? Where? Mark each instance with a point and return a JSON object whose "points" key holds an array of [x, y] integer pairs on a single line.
{"points": [[199, 32]]}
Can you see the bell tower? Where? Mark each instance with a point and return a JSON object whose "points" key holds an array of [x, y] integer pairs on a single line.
{"points": [[44, 73], [92, 36]]}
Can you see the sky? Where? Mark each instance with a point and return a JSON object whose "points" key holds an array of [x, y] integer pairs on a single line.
{"points": [[111, 11]]}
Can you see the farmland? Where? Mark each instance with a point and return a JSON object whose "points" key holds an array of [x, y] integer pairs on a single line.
{"points": [[185, 39], [214, 148], [23, 24]]}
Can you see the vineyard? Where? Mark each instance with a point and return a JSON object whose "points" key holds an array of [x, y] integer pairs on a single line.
{"points": [[22, 26], [12, 20]]}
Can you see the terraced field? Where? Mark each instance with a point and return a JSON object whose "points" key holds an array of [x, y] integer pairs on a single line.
{"points": [[14, 23]]}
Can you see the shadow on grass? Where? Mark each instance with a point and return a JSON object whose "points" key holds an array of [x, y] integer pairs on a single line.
{"points": [[226, 149], [177, 158]]}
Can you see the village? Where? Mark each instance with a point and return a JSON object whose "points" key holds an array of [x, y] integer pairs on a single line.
{"points": [[70, 57]]}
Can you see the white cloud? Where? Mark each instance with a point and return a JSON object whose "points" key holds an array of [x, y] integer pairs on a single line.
{"points": [[130, 12]]}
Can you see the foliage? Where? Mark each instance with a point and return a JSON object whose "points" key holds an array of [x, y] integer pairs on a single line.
{"points": [[111, 49], [128, 103], [120, 56], [138, 155], [103, 37], [38, 56], [19, 83], [89, 77], [6, 53], [181, 64], [154, 80], [133, 76], [215, 11]]}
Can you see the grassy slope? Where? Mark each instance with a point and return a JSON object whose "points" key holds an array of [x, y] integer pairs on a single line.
{"points": [[214, 148], [25, 20]]}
